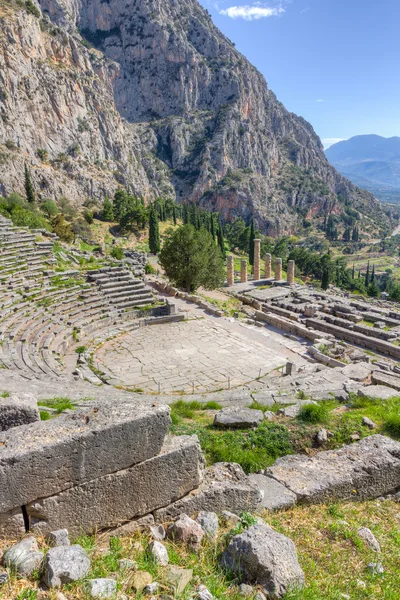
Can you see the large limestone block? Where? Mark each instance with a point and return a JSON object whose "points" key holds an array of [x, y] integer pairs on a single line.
{"points": [[45, 458], [225, 487], [367, 469], [377, 392], [117, 498], [358, 372], [12, 524], [264, 556], [275, 496], [18, 409], [238, 418]]}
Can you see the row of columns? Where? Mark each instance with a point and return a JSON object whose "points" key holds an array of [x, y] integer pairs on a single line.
{"points": [[256, 267]]}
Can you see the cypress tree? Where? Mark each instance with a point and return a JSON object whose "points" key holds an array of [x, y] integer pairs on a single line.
{"points": [[29, 191], [325, 279], [251, 243], [367, 276], [212, 226], [154, 233], [373, 274], [220, 239], [174, 214], [353, 272], [185, 215]]}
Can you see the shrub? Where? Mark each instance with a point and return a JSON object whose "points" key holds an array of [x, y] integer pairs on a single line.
{"points": [[88, 216], [42, 154], [32, 9], [314, 413], [117, 252], [59, 403], [391, 424], [149, 270]]}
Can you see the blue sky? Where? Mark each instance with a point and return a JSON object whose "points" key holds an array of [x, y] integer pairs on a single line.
{"points": [[334, 62]]}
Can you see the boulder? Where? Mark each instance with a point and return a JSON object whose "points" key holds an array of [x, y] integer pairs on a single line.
{"points": [[369, 538], [65, 564], [18, 409], [77, 448], [275, 496], [238, 418], [225, 488], [186, 530], [376, 392], [101, 588], [24, 557], [208, 521], [159, 553], [263, 556], [364, 470], [369, 423], [322, 437]]}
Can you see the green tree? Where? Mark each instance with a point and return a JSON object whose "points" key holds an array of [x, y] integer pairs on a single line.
{"points": [[29, 190], [62, 228], [326, 277], [49, 207], [251, 243], [220, 239], [373, 289], [154, 232], [373, 274], [107, 212], [191, 259], [366, 282]]}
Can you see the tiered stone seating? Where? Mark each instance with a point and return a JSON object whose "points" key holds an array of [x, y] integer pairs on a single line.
{"points": [[121, 289], [45, 311]]}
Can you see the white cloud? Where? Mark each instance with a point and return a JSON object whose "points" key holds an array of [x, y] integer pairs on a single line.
{"points": [[328, 142], [251, 13], [320, 100]]}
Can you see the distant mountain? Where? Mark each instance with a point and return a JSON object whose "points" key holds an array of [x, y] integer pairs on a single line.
{"points": [[371, 162]]}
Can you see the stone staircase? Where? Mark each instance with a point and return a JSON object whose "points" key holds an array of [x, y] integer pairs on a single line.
{"points": [[122, 291]]}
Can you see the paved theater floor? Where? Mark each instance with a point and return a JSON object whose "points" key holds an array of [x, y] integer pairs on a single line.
{"points": [[200, 355]]}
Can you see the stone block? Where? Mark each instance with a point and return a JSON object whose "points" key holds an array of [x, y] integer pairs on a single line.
{"points": [[18, 409], [225, 488], [358, 372], [124, 495], [238, 418], [45, 458], [275, 496], [364, 470], [12, 524], [376, 392]]}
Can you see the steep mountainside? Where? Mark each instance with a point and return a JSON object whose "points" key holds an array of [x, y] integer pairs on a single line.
{"points": [[149, 94], [370, 160]]}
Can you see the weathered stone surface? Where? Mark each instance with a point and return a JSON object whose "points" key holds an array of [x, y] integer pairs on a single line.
{"points": [[77, 447], [124, 495], [208, 521], [157, 532], [376, 392], [367, 469], [369, 538], [24, 557], [238, 418], [18, 409], [65, 564], [387, 379], [225, 487], [187, 531], [178, 578], [58, 538], [275, 496], [140, 580], [101, 588], [294, 410], [159, 553], [229, 518], [358, 372], [264, 556], [12, 524]]}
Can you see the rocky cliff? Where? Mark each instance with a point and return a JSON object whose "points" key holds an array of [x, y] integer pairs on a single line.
{"points": [[149, 94]]}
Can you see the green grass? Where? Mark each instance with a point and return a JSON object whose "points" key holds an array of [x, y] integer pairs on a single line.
{"points": [[4, 394], [59, 403], [314, 413]]}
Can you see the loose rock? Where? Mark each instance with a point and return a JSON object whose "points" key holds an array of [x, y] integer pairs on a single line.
{"points": [[3, 577], [58, 538], [186, 530], [159, 553], [203, 593], [101, 588], [262, 555], [178, 578], [375, 568], [140, 580], [157, 532], [229, 518], [238, 418], [24, 557], [369, 538], [208, 521], [152, 588], [65, 564], [125, 564], [322, 437], [368, 423], [246, 590]]}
